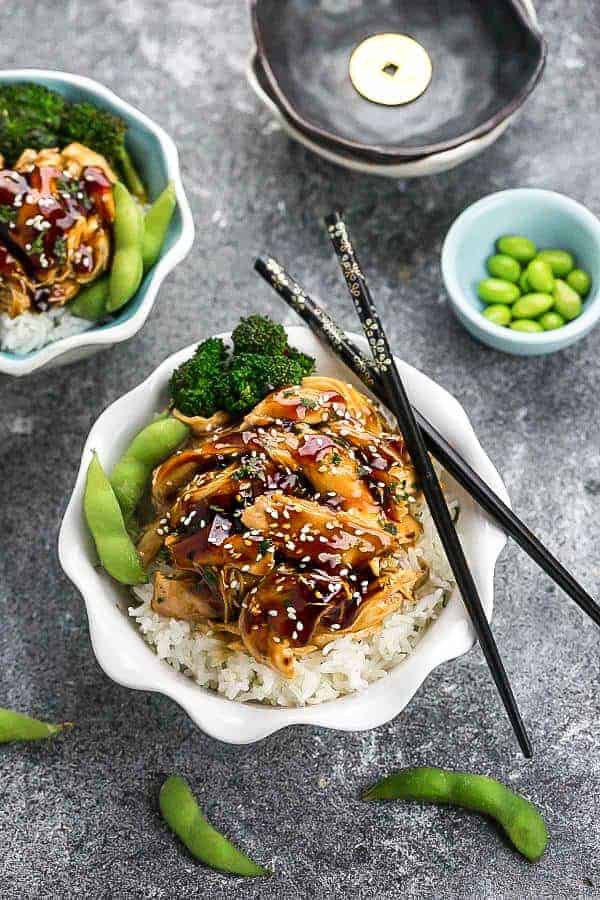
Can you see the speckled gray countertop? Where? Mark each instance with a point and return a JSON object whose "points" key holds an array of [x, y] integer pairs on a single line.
{"points": [[78, 817]]}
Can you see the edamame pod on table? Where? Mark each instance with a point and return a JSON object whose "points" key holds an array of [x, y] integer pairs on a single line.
{"points": [[150, 447], [16, 726], [90, 302], [183, 815], [495, 290], [157, 221], [127, 266], [107, 526], [519, 818]]}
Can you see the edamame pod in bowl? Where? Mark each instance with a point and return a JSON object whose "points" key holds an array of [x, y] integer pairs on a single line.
{"points": [[156, 225], [149, 448], [107, 526], [90, 303], [127, 266]]}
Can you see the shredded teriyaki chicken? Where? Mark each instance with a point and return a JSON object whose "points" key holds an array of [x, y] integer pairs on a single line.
{"points": [[284, 531], [56, 209]]}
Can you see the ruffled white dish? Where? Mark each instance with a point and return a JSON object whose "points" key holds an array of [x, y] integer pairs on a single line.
{"points": [[158, 163], [128, 660]]}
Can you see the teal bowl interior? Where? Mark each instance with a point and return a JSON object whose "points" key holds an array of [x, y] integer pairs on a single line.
{"points": [[550, 220], [150, 160]]}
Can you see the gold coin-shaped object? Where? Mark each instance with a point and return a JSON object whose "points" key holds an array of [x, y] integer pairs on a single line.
{"points": [[390, 69]]}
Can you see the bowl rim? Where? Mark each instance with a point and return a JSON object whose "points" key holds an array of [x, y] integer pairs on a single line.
{"points": [[408, 168], [524, 11], [120, 331], [570, 332], [135, 665]]}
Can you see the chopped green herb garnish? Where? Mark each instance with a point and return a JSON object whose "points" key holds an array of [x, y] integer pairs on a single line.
{"points": [[60, 250], [265, 546], [7, 213], [307, 403], [336, 459], [390, 528], [250, 469], [37, 246]]}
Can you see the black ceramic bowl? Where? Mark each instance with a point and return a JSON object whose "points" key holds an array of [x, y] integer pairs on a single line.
{"points": [[487, 58]]}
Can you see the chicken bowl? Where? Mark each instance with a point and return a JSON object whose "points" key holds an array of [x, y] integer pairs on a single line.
{"points": [[334, 600], [58, 222]]}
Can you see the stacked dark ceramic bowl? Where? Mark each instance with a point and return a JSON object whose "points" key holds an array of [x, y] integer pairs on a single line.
{"points": [[486, 58]]}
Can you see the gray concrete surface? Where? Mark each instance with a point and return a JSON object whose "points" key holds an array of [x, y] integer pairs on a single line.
{"points": [[78, 817]]}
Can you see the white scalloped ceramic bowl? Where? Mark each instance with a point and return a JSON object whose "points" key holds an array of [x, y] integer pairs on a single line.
{"points": [[128, 660], [156, 157]]}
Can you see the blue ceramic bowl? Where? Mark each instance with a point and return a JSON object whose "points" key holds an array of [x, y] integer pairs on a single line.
{"points": [[549, 219], [157, 161]]}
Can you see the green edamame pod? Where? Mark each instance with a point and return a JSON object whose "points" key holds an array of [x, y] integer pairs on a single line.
{"points": [[105, 521], [517, 246], [504, 267], [127, 266], [156, 224], [15, 726], [551, 320], [132, 178], [580, 281], [498, 313], [150, 447], [527, 325], [90, 302], [567, 302], [532, 305], [560, 261], [540, 277], [183, 815], [519, 818], [495, 290]]}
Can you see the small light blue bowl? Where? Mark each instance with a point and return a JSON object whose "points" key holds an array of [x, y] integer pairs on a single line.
{"points": [[157, 161], [550, 220]]}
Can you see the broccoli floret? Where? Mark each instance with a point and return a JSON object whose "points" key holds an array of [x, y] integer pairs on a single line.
{"points": [[306, 362], [30, 116], [103, 132], [252, 376], [258, 334], [194, 385]]}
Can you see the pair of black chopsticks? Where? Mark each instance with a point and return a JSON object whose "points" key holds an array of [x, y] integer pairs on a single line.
{"points": [[382, 377]]}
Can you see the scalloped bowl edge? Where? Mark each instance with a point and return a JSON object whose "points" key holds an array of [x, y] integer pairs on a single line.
{"points": [[128, 660], [79, 345]]}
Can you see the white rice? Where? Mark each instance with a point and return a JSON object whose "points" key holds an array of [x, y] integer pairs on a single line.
{"points": [[342, 667], [32, 331]]}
